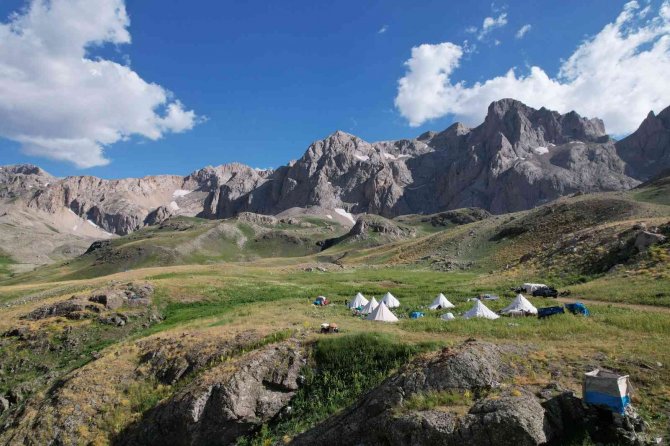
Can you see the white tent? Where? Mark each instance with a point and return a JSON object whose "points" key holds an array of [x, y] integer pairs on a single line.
{"points": [[448, 317], [442, 302], [480, 310], [382, 314], [530, 287], [358, 301], [519, 305], [390, 300], [370, 307]]}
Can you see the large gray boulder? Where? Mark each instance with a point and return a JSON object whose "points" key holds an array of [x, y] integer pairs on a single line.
{"points": [[225, 402]]}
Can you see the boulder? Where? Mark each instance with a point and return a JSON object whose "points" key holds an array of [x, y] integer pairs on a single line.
{"points": [[645, 239], [75, 308], [117, 320], [225, 402], [110, 299], [507, 420]]}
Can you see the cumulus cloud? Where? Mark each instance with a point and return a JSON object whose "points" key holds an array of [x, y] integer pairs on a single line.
{"points": [[523, 31], [59, 102], [619, 75], [488, 25]]}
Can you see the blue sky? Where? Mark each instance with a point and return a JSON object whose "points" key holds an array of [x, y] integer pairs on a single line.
{"points": [[267, 78]]}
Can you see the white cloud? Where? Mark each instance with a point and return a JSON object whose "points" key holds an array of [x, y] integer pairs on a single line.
{"points": [[58, 101], [491, 23], [619, 75], [523, 31], [383, 29]]}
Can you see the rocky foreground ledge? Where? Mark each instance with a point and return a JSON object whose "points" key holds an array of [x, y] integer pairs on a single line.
{"points": [[216, 390], [477, 404]]}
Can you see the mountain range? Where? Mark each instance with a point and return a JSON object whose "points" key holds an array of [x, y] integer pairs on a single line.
{"points": [[518, 158]]}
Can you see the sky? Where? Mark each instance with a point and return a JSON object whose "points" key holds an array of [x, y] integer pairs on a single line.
{"points": [[125, 88]]}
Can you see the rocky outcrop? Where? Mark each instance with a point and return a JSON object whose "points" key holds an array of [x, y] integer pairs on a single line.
{"points": [[372, 230], [225, 402], [499, 414], [374, 224], [457, 217], [82, 307], [645, 239]]}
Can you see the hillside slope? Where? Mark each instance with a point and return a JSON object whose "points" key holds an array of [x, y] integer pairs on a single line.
{"points": [[518, 158]]}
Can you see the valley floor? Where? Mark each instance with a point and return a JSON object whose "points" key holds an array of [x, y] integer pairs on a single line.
{"points": [[219, 301]]}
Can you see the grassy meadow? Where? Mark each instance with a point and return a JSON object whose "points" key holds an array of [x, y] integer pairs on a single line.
{"points": [[214, 280]]}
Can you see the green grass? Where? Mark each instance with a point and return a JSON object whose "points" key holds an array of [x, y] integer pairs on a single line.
{"points": [[5, 262], [341, 369], [658, 192]]}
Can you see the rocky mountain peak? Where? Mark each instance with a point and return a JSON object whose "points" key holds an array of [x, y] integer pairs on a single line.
{"points": [[499, 109], [24, 169], [664, 116], [526, 128], [647, 150], [338, 143]]}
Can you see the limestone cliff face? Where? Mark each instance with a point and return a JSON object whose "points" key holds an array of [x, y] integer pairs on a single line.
{"points": [[518, 158], [647, 150]]}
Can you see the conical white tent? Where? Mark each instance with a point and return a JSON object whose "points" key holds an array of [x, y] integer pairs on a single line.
{"points": [[390, 300], [480, 310], [370, 307], [358, 301], [448, 317], [442, 302], [519, 305], [382, 314]]}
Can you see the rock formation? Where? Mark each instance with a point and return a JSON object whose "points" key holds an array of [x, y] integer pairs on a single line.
{"points": [[518, 158], [498, 414], [647, 151]]}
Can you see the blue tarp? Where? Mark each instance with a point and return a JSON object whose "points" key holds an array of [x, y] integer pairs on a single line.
{"points": [[416, 314], [618, 404], [578, 308]]}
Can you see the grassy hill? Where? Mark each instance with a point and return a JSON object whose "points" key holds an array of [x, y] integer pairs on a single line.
{"points": [[184, 241], [217, 282]]}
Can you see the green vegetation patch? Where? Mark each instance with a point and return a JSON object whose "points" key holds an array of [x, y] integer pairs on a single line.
{"points": [[340, 370], [5, 261]]}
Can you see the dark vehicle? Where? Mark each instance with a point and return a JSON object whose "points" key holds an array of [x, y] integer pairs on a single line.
{"points": [[546, 292], [549, 311]]}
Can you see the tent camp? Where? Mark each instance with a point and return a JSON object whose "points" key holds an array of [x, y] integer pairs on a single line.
{"points": [[370, 307], [441, 302], [530, 287], [480, 310], [358, 301], [448, 317], [382, 314], [519, 306], [390, 300]]}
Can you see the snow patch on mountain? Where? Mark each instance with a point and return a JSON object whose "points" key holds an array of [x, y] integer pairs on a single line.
{"points": [[345, 214]]}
